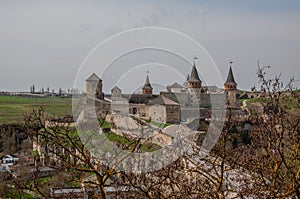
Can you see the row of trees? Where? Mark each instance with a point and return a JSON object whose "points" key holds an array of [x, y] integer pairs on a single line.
{"points": [[33, 90]]}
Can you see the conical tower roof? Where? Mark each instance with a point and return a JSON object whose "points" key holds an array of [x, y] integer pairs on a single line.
{"points": [[194, 77], [115, 88], [230, 78], [147, 83], [93, 77]]}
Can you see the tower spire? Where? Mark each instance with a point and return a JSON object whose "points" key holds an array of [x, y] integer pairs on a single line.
{"points": [[194, 80], [230, 82], [147, 88], [230, 78], [230, 87], [147, 82]]}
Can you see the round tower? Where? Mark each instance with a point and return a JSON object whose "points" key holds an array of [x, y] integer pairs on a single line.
{"points": [[147, 88], [194, 86], [230, 87], [194, 80]]}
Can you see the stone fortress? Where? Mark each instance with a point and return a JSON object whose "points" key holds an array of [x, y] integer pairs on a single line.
{"points": [[175, 105]]}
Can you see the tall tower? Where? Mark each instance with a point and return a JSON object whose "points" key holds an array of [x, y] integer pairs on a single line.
{"points": [[147, 88], [230, 87], [93, 87], [194, 80], [194, 86]]}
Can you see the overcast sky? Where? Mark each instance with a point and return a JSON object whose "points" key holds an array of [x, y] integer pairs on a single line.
{"points": [[45, 42]]}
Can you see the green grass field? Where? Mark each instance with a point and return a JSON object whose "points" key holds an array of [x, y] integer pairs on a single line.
{"points": [[12, 108], [149, 147]]}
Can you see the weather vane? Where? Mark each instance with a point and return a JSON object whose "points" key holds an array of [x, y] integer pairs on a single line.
{"points": [[147, 72], [230, 62], [195, 59]]}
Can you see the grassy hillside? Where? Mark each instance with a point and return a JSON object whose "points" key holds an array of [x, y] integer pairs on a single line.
{"points": [[12, 108]]}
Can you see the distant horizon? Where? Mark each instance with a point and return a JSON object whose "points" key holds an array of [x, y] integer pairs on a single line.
{"points": [[108, 93]]}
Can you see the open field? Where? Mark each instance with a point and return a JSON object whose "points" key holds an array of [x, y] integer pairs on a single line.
{"points": [[12, 108]]}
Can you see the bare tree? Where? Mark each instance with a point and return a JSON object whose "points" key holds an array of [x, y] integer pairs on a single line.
{"points": [[255, 157], [62, 149]]}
